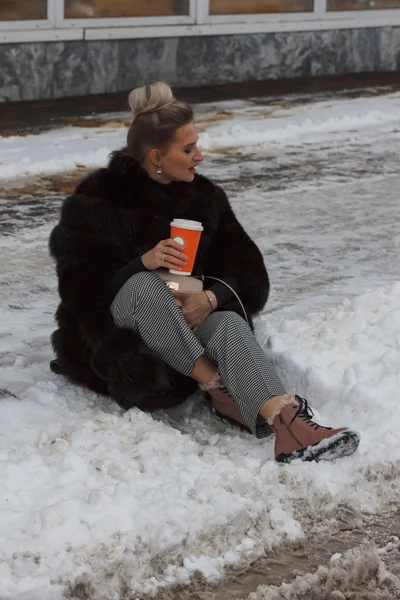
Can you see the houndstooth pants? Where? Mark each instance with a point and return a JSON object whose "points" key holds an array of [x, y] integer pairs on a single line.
{"points": [[146, 305]]}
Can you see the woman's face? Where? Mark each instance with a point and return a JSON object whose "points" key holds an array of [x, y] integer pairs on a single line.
{"points": [[182, 157]]}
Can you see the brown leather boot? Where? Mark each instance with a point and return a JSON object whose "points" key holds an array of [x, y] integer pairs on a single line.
{"points": [[224, 406], [226, 409], [297, 436]]}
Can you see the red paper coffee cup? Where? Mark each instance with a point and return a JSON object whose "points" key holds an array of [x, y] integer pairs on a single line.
{"points": [[187, 233]]}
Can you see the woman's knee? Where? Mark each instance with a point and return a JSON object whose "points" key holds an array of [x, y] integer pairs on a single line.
{"points": [[148, 284], [144, 277], [144, 288], [230, 316], [229, 319]]}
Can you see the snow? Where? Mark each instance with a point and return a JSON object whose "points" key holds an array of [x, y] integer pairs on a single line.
{"points": [[113, 501], [350, 355], [252, 127], [336, 556], [303, 125], [359, 573]]}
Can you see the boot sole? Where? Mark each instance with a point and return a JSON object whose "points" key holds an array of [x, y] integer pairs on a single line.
{"points": [[228, 421], [340, 445]]}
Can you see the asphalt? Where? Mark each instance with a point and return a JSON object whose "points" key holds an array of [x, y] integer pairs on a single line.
{"points": [[41, 114]]}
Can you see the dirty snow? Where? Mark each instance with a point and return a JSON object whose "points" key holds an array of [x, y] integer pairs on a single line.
{"points": [[360, 573]]}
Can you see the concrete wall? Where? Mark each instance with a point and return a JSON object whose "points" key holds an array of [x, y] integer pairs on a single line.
{"points": [[54, 69]]}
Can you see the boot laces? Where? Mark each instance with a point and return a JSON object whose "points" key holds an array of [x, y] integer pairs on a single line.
{"points": [[305, 413]]}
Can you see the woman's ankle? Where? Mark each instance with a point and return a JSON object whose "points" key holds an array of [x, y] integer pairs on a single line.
{"points": [[273, 406], [214, 383], [204, 370]]}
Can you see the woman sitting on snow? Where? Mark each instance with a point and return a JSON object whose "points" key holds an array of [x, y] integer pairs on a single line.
{"points": [[123, 332]]}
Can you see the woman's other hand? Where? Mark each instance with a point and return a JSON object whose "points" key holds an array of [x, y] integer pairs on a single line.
{"points": [[196, 306], [172, 253]]}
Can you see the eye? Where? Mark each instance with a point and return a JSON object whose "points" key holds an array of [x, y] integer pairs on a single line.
{"points": [[188, 151]]}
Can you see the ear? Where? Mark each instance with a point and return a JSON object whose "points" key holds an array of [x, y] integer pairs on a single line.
{"points": [[155, 156]]}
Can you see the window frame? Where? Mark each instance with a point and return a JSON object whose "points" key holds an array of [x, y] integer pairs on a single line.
{"points": [[320, 12], [189, 19], [261, 17], [33, 24], [197, 23], [376, 12]]}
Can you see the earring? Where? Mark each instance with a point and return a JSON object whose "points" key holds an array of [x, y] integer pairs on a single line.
{"points": [[159, 172]]}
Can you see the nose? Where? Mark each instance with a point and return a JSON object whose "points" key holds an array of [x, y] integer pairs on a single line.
{"points": [[198, 156]]}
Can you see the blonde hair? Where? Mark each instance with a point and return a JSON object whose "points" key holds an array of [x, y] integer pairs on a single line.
{"points": [[157, 115]]}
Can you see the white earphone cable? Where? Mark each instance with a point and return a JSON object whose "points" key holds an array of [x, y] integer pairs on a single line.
{"points": [[232, 290]]}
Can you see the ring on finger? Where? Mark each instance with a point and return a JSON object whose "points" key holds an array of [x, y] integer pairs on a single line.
{"points": [[163, 257]]}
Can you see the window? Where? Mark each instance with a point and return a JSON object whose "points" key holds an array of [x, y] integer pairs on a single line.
{"points": [[362, 4], [236, 7], [103, 9], [23, 10]]}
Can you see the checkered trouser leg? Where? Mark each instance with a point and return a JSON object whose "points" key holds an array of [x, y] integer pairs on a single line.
{"points": [[146, 305], [243, 366]]}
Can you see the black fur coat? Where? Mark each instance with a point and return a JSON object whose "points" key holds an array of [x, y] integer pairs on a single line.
{"points": [[118, 213]]}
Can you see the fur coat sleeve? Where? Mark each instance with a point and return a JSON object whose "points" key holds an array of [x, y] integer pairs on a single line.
{"points": [[233, 253], [87, 255]]}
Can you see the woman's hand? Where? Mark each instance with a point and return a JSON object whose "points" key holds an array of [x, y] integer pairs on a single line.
{"points": [[195, 307], [171, 250]]}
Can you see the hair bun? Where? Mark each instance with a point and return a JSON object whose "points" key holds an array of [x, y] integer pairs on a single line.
{"points": [[150, 98]]}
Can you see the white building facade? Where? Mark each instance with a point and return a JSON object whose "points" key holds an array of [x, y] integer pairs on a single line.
{"points": [[55, 48]]}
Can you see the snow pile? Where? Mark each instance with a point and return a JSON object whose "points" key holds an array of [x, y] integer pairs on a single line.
{"points": [[302, 124], [359, 574], [346, 362], [109, 501], [58, 150], [250, 126]]}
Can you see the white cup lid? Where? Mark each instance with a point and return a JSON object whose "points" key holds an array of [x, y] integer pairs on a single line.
{"points": [[187, 224]]}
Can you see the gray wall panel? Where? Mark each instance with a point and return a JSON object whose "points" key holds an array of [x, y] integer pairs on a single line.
{"points": [[54, 69]]}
